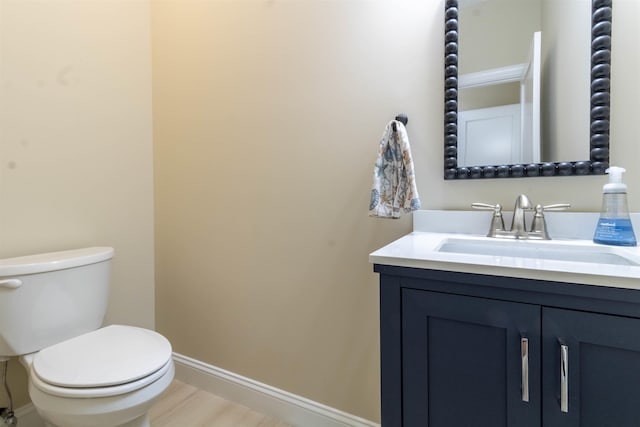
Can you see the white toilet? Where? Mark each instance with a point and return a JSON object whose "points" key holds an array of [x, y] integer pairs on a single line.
{"points": [[80, 375]]}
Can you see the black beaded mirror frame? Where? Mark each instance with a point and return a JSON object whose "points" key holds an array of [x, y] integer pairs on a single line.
{"points": [[600, 97]]}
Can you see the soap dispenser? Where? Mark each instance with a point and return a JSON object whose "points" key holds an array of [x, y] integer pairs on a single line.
{"points": [[614, 226]]}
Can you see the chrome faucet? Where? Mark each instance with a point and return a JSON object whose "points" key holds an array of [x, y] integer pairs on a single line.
{"points": [[518, 229], [518, 223]]}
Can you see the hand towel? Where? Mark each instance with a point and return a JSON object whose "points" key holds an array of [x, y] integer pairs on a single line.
{"points": [[394, 189]]}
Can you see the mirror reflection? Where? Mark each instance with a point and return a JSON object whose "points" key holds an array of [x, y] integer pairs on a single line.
{"points": [[524, 76], [524, 80]]}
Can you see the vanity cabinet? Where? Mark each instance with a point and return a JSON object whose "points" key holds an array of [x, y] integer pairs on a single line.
{"points": [[470, 350]]}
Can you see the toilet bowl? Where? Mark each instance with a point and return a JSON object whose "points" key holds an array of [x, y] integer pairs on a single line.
{"points": [[80, 374], [108, 377]]}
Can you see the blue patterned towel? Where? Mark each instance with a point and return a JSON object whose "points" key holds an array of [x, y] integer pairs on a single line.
{"points": [[394, 185]]}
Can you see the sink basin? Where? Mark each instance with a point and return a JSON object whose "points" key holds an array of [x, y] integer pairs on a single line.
{"points": [[456, 241], [549, 250]]}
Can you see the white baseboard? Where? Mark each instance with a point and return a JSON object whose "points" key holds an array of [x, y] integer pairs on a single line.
{"points": [[288, 407]]}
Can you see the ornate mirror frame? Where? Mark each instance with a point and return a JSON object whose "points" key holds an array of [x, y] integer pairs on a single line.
{"points": [[600, 101]]}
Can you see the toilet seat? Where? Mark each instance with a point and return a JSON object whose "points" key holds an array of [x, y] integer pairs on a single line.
{"points": [[106, 362], [95, 392]]}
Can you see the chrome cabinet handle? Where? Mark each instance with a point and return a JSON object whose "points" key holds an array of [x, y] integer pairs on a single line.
{"points": [[564, 378], [524, 353]]}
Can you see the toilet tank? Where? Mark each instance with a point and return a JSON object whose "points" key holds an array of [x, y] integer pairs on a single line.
{"points": [[51, 297]]}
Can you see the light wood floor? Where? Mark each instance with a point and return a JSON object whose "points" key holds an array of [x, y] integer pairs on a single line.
{"points": [[183, 405]]}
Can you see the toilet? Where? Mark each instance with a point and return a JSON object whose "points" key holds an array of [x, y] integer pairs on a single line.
{"points": [[80, 374]]}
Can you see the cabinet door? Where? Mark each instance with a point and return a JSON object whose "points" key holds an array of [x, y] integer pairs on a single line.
{"points": [[466, 364], [592, 363]]}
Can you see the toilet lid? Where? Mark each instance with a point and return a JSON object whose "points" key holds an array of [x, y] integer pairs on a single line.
{"points": [[106, 357]]}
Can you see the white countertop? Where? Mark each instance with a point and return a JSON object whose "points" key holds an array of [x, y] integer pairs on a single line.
{"points": [[419, 249]]}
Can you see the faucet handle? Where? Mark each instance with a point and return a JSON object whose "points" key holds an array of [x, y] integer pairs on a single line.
{"points": [[497, 221], [556, 207], [539, 225], [486, 207]]}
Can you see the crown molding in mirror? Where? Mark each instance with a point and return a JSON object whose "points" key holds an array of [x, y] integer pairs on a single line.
{"points": [[600, 100]]}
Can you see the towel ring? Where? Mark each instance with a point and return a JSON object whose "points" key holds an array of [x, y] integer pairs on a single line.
{"points": [[402, 118]]}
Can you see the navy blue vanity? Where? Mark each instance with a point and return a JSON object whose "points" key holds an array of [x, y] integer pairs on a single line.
{"points": [[489, 340]]}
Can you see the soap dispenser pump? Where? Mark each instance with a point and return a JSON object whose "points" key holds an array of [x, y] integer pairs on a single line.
{"points": [[614, 226]]}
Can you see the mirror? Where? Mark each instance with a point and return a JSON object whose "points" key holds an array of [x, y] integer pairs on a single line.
{"points": [[492, 93]]}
